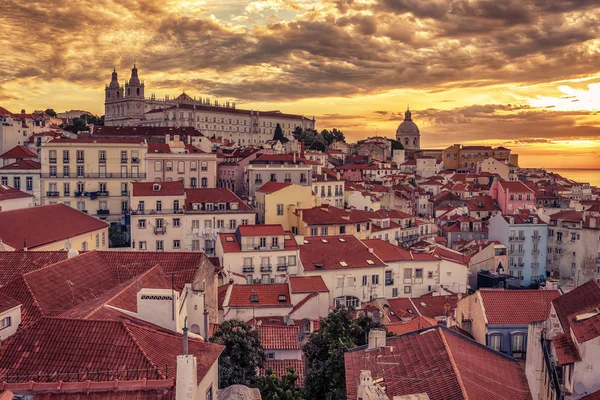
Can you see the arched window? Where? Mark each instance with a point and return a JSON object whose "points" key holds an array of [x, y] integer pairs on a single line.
{"points": [[157, 166], [181, 167], [204, 166], [128, 91], [406, 141], [204, 182], [138, 91], [169, 166], [195, 329], [495, 341], [193, 166], [118, 95], [415, 142], [193, 183], [518, 345], [108, 95]]}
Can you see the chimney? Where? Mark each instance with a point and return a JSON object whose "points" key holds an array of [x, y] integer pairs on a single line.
{"points": [[294, 157], [376, 339], [25, 245], [206, 334], [186, 378], [185, 337]]}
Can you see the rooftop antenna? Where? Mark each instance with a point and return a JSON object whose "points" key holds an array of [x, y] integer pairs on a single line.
{"points": [[185, 337]]}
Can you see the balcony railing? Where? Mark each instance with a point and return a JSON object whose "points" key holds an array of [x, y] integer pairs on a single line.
{"points": [[160, 230], [135, 160], [536, 252], [80, 161], [102, 194], [389, 282], [124, 160], [520, 264], [209, 250], [103, 212], [124, 193], [52, 194], [66, 160], [266, 268], [282, 268], [98, 175], [102, 161], [52, 160], [258, 181], [159, 212], [248, 269], [287, 180], [536, 238]]}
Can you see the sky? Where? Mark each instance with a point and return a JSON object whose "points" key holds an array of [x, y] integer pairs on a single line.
{"points": [[524, 74]]}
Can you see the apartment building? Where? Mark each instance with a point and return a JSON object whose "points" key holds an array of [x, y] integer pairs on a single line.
{"points": [[261, 253], [275, 200], [329, 187], [574, 246], [512, 196], [92, 175], [287, 168], [327, 220], [526, 238], [23, 175], [175, 161], [167, 217]]}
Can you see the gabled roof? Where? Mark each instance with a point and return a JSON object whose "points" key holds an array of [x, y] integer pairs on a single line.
{"points": [[214, 195], [22, 164], [415, 324], [568, 216], [435, 306], [389, 252], [15, 263], [402, 307], [261, 230], [43, 225], [517, 307], [517, 187], [336, 252], [579, 301], [441, 363], [174, 188], [10, 193], [307, 284], [231, 244], [272, 187], [280, 368], [19, 152], [274, 337], [267, 295], [61, 346]]}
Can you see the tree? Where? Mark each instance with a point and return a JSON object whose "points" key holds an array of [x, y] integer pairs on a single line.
{"points": [[243, 354], [273, 388], [324, 353], [50, 112], [396, 145], [279, 135]]}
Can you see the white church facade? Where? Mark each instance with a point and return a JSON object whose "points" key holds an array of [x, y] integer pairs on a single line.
{"points": [[127, 105]]}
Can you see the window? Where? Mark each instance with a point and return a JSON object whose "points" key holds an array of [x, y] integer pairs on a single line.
{"points": [[157, 166], [97, 240], [365, 280], [275, 242], [204, 166], [232, 223], [407, 289], [158, 205], [407, 273], [176, 222], [66, 188], [180, 167], [52, 156], [220, 223], [29, 183], [209, 392], [159, 245], [291, 261], [244, 222], [102, 156], [193, 166], [4, 181], [123, 156], [103, 239], [279, 209], [430, 275], [394, 292], [314, 231], [17, 183], [79, 154], [5, 322], [518, 345], [193, 183], [324, 231], [419, 273], [495, 341], [53, 170], [80, 171], [169, 166], [176, 244], [375, 279], [204, 182]]}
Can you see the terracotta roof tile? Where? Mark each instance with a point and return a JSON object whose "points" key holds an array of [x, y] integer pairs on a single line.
{"points": [[307, 284], [336, 252], [515, 307], [273, 337], [267, 295], [19, 152], [272, 187], [435, 306], [280, 368], [214, 195], [566, 351], [415, 324], [441, 363], [576, 301], [10, 193], [402, 307], [45, 224], [174, 188], [15, 263], [261, 230], [516, 187], [22, 165]]}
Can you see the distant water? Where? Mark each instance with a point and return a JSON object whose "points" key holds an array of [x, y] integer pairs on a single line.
{"points": [[580, 175]]}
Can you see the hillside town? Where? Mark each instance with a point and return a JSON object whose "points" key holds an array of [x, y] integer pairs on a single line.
{"points": [[183, 248]]}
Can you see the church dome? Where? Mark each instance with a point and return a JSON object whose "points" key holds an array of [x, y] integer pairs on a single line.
{"points": [[407, 127]]}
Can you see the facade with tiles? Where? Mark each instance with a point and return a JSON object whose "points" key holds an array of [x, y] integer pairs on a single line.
{"points": [[128, 105]]}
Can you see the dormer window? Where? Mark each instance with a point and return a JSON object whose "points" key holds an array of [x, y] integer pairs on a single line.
{"points": [[156, 187], [233, 206], [209, 206], [254, 299], [196, 206], [282, 298]]}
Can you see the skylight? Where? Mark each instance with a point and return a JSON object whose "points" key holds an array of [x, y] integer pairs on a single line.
{"points": [[229, 239], [370, 262], [343, 263], [342, 240], [324, 241]]}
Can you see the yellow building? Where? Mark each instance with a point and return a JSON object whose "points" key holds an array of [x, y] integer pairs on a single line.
{"points": [[326, 220], [51, 227], [276, 200], [92, 175]]}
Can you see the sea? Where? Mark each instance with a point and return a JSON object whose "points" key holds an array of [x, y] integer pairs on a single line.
{"points": [[592, 176]]}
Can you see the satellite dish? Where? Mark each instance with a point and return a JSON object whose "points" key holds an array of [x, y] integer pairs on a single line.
{"points": [[459, 296], [579, 388]]}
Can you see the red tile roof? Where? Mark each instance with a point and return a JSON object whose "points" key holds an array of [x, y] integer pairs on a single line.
{"points": [[435, 306], [231, 244], [15, 263], [389, 252], [566, 351], [214, 195], [268, 295], [261, 230], [576, 301], [22, 165], [166, 149], [307, 284], [516, 187], [568, 216], [272, 187], [273, 337], [400, 328], [10, 193], [517, 307], [143, 131], [336, 252], [112, 140], [174, 188], [329, 215], [441, 363], [280, 368], [44, 225], [63, 346], [592, 396], [402, 307], [142, 389], [19, 152], [587, 327]]}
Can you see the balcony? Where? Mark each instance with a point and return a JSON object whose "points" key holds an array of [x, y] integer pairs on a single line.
{"points": [[258, 181], [102, 194], [124, 193], [102, 212], [52, 194], [536, 238], [102, 161], [80, 161], [79, 194], [266, 268], [248, 269], [52, 160], [520, 264], [66, 160], [160, 230], [209, 250], [536, 252], [389, 282], [282, 268], [66, 194], [124, 160], [287, 180], [134, 175], [135, 160]]}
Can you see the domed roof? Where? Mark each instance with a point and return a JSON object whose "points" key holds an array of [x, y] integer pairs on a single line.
{"points": [[408, 127]]}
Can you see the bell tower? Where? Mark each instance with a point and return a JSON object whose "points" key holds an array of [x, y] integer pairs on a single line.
{"points": [[134, 95], [113, 95]]}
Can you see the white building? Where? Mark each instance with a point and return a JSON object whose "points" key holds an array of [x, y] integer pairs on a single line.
{"points": [[287, 168], [167, 217], [13, 199]]}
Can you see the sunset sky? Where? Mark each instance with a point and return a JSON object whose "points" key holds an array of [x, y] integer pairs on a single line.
{"points": [[520, 73]]}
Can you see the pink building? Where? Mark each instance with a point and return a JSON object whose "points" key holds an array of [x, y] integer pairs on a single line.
{"points": [[175, 161], [352, 172], [512, 196], [232, 167]]}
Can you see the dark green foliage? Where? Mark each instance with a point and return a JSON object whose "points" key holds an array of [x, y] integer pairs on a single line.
{"points": [[273, 388], [82, 123], [243, 354], [396, 145], [117, 237], [50, 112], [324, 353], [279, 135], [315, 140]]}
